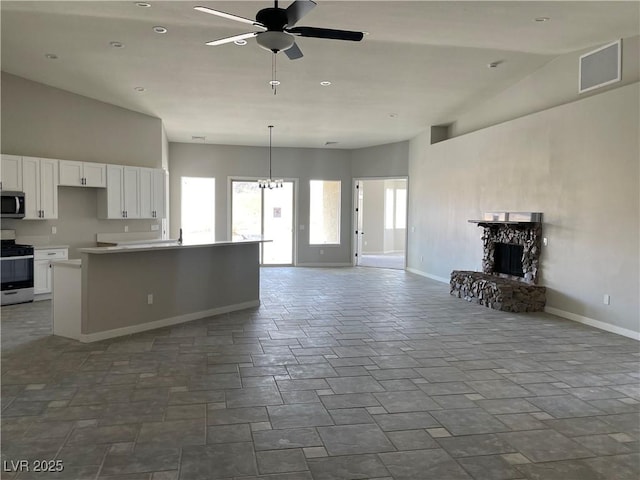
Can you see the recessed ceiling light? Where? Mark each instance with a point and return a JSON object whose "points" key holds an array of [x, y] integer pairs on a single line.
{"points": [[116, 44], [240, 42], [330, 143], [160, 29], [274, 83], [494, 64], [393, 115], [541, 19], [139, 89], [198, 137], [325, 83], [143, 4], [51, 56]]}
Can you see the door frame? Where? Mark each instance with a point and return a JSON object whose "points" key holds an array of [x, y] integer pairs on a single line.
{"points": [[294, 226], [355, 215]]}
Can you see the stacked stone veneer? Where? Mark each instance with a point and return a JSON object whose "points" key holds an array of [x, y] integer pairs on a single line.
{"points": [[497, 292], [500, 291]]}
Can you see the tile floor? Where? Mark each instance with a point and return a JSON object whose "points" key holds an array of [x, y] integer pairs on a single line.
{"points": [[351, 373]]}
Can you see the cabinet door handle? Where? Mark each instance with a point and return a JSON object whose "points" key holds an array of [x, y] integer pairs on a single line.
{"points": [[42, 213], [51, 253], [122, 213]]}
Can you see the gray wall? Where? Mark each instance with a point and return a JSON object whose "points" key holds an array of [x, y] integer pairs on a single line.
{"points": [[390, 160], [554, 84], [577, 163], [223, 162], [42, 121]]}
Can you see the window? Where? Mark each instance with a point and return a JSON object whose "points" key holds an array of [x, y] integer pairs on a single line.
{"points": [[401, 208], [395, 208], [198, 209], [324, 212], [388, 208]]}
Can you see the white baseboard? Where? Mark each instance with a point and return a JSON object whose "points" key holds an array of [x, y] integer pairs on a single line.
{"points": [[625, 332], [429, 275], [164, 322], [324, 265]]}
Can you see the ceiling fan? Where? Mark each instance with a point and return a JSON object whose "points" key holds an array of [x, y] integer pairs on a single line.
{"points": [[278, 28]]}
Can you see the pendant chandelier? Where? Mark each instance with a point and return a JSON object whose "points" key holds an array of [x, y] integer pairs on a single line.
{"points": [[270, 183]]}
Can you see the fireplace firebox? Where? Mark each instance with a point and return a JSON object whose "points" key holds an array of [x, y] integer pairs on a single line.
{"points": [[507, 259]]}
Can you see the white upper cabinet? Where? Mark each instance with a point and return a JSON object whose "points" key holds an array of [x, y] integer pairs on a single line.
{"points": [[11, 173], [40, 185], [132, 192], [152, 193], [82, 174], [121, 199]]}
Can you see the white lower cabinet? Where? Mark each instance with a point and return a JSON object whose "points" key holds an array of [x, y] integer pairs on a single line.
{"points": [[42, 269]]}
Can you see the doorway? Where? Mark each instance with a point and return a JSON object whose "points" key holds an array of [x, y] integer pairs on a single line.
{"points": [[264, 213], [380, 222]]}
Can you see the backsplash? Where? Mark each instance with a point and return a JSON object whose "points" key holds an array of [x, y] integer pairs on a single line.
{"points": [[77, 223]]}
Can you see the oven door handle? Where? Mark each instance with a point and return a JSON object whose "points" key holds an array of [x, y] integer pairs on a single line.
{"points": [[17, 204], [25, 257]]}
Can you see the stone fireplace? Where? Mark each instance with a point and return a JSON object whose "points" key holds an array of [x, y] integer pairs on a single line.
{"points": [[510, 263]]}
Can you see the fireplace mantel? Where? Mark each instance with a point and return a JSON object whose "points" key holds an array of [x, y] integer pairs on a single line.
{"points": [[482, 223]]}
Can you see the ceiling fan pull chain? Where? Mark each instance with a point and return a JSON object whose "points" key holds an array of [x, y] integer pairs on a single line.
{"points": [[274, 80]]}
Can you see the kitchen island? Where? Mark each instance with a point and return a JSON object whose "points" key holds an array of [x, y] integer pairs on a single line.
{"points": [[120, 290]]}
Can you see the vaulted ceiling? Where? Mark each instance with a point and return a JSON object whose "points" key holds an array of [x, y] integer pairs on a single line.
{"points": [[419, 64]]}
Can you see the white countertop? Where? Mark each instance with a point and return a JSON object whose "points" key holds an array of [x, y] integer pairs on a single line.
{"points": [[164, 246]]}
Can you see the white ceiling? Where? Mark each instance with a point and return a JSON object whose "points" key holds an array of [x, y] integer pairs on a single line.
{"points": [[420, 63]]}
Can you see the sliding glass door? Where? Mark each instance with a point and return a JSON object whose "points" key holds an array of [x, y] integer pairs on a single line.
{"points": [[263, 213]]}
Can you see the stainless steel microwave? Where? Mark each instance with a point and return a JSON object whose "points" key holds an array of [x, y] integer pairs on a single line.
{"points": [[12, 204]]}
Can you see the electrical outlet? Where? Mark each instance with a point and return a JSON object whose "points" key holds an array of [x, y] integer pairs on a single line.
{"points": [[126, 228], [545, 241], [301, 227], [150, 299], [155, 228], [321, 252], [54, 230], [606, 299]]}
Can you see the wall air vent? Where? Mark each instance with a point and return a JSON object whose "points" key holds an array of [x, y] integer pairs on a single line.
{"points": [[600, 67]]}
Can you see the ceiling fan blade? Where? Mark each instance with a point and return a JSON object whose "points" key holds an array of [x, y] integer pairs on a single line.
{"points": [[326, 33], [229, 16], [293, 52], [242, 36], [298, 9]]}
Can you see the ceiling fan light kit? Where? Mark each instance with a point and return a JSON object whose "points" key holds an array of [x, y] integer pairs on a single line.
{"points": [[275, 41]]}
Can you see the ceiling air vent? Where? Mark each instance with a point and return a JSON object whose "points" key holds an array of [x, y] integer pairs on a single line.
{"points": [[600, 67]]}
